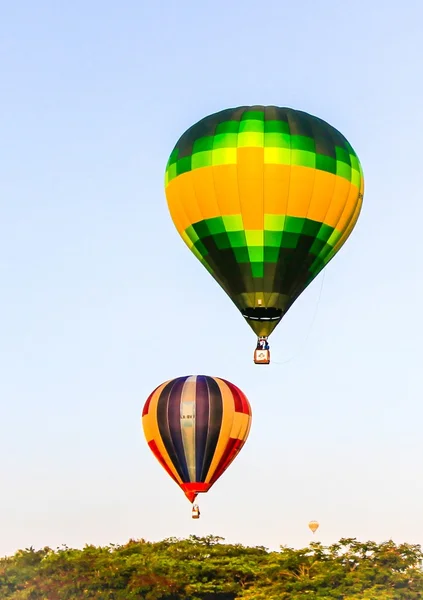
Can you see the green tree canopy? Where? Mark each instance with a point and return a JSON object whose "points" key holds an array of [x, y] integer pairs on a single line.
{"points": [[206, 568]]}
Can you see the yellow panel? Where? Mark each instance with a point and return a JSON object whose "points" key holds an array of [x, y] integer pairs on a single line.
{"points": [[240, 426], [250, 181], [324, 185], [202, 194], [177, 213], [350, 225], [188, 197], [230, 189], [277, 156], [245, 428], [339, 199], [203, 185], [349, 209], [225, 431], [245, 433], [147, 418], [300, 190], [151, 429], [225, 179], [276, 189]]}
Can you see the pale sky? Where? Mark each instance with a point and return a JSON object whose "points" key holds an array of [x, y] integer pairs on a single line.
{"points": [[101, 301]]}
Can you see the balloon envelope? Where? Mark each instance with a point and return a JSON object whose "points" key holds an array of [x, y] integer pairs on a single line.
{"points": [[195, 426], [264, 197], [314, 526]]}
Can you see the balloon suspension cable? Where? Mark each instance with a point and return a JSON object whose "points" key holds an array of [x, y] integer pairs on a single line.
{"points": [[316, 310]]}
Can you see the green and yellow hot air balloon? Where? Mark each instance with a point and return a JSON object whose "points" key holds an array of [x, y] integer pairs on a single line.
{"points": [[264, 197]]}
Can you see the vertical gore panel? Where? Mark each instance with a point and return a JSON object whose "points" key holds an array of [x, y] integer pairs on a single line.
{"points": [[240, 400], [187, 424], [164, 415], [202, 416], [215, 421], [174, 417]]}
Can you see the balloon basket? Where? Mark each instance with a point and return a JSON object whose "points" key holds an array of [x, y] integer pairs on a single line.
{"points": [[262, 357]]}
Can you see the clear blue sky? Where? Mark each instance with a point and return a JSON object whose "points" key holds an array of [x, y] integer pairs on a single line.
{"points": [[99, 295]]}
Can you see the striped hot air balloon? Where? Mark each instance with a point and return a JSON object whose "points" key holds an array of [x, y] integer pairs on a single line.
{"points": [[195, 426]]}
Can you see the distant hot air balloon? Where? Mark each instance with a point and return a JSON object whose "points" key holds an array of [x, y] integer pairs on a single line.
{"points": [[264, 197], [314, 526], [195, 426]]}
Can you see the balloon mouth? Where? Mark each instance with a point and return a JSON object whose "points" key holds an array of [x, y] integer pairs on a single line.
{"points": [[191, 490], [262, 314]]}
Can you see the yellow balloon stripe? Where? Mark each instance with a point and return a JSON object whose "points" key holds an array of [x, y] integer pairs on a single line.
{"points": [[151, 430], [250, 193]]}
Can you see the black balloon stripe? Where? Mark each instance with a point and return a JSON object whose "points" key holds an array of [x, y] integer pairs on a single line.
{"points": [[202, 415], [214, 424], [174, 388]]}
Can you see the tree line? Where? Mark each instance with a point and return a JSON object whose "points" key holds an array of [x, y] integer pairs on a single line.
{"points": [[206, 568]]}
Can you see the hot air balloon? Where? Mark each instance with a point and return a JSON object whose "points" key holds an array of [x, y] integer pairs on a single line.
{"points": [[264, 197], [314, 526], [195, 426]]}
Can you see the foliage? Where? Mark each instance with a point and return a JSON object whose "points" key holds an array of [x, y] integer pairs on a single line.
{"points": [[208, 569]]}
